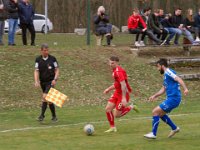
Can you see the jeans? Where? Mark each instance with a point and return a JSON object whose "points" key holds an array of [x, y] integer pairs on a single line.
{"points": [[186, 33], [2, 24], [13, 23], [172, 32]]}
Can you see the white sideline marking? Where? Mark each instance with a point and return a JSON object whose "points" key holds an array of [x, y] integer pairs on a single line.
{"points": [[81, 123]]}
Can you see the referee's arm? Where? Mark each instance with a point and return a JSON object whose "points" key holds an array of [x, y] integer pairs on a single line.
{"points": [[36, 77]]}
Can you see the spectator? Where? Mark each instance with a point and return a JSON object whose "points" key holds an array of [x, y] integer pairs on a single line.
{"points": [[178, 22], [156, 26], [12, 21], [190, 24], [197, 20], [161, 15], [149, 31], [102, 25], [26, 15], [169, 27], [133, 27], [3, 17]]}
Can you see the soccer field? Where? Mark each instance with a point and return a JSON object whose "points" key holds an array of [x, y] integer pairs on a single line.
{"points": [[84, 75]]}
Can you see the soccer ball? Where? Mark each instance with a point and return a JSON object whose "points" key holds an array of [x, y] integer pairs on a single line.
{"points": [[88, 129]]}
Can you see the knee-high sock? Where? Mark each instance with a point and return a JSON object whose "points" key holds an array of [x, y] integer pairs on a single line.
{"points": [[168, 121], [53, 111], [155, 123], [125, 110], [110, 118], [43, 109]]}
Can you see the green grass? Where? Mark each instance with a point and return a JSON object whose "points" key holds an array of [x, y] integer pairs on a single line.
{"points": [[84, 75]]}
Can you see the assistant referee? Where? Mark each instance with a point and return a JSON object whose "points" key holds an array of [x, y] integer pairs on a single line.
{"points": [[46, 75]]}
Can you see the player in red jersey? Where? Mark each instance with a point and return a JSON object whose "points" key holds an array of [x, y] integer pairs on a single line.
{"points": [[120, 98]]}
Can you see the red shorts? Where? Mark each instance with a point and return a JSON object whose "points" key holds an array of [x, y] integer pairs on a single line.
{"points": [[116, 98]]}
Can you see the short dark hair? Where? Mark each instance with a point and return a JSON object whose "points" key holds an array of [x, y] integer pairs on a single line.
{"points": [[44, 45], [163, 62], [114, 58], [146, 9]]}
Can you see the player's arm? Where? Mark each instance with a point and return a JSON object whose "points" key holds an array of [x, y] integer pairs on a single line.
{"points": [[181, 82], [36, 77], [112, 87], [124, 91], [160, 92]]}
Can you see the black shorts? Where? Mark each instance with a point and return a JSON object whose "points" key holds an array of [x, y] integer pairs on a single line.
{"points": [[45, 86]]}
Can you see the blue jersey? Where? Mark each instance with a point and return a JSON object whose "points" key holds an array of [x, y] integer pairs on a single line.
{"points": [[172, 87]]}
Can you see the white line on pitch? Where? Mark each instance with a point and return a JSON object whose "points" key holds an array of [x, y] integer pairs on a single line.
{"points": [[81, 123]]}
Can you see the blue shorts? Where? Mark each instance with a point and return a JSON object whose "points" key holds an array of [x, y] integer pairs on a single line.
{"points": [[169, 104]]}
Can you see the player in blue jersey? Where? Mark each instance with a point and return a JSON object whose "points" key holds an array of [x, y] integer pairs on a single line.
{"points": [[171, 86]]}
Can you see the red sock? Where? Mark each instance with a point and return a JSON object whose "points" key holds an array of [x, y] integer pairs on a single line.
{"points": [[110, 118], [125, 110]]}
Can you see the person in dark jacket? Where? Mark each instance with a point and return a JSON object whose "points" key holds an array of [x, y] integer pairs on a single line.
{"points": [[190, 24], [102, 25], [12, 21], [178, 22], [156, 26], [3, 17], [149, 31], [170, 28], [26, 15]]}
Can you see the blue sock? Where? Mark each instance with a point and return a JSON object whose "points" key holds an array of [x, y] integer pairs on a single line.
{"points": [[168, 121], [155, 123]]}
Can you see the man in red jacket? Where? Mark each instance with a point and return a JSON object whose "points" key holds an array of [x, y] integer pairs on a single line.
{"points": [[133, 27]]}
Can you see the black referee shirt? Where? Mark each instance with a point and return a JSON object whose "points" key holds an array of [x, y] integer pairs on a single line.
{"points": [[46, 67]]}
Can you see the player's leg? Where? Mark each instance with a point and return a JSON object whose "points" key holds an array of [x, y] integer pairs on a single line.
{"points": [[123, 110], [43, 108], [51, 105], [157, 112], [109, 108], [170, 105]]}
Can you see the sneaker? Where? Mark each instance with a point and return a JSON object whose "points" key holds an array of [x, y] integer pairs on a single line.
{"points": [[142, 43], [163, 42], [112, 129], [150, 136], [54, 119], [135, 108], [137, 44], [173, 132], [40, 118], [197, 40]]}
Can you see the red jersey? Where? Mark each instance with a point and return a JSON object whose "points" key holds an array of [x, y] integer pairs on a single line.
{"points": [[119, 75], [133, 22]]}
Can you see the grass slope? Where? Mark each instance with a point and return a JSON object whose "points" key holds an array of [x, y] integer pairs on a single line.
{"points": [[84, 75]]}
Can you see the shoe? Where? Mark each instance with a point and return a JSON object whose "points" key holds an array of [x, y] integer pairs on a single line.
{"points": [[163, 42], [112, 129], [173, 132], [40, 118], [137, 44], [135, 108], [142, 43], [11, 44], [54, 119], [150, 136], [32, 44], [197, 40]]}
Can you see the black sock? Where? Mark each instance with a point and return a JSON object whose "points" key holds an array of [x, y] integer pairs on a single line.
{"points": [[108, 39], [53, 111], [44, 107]]}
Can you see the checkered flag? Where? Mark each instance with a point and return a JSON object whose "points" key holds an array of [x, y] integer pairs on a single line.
{"points": [[56, 97]]}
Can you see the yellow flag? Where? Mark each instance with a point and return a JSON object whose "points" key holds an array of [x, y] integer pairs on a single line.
{"points": [[56, 97]]}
